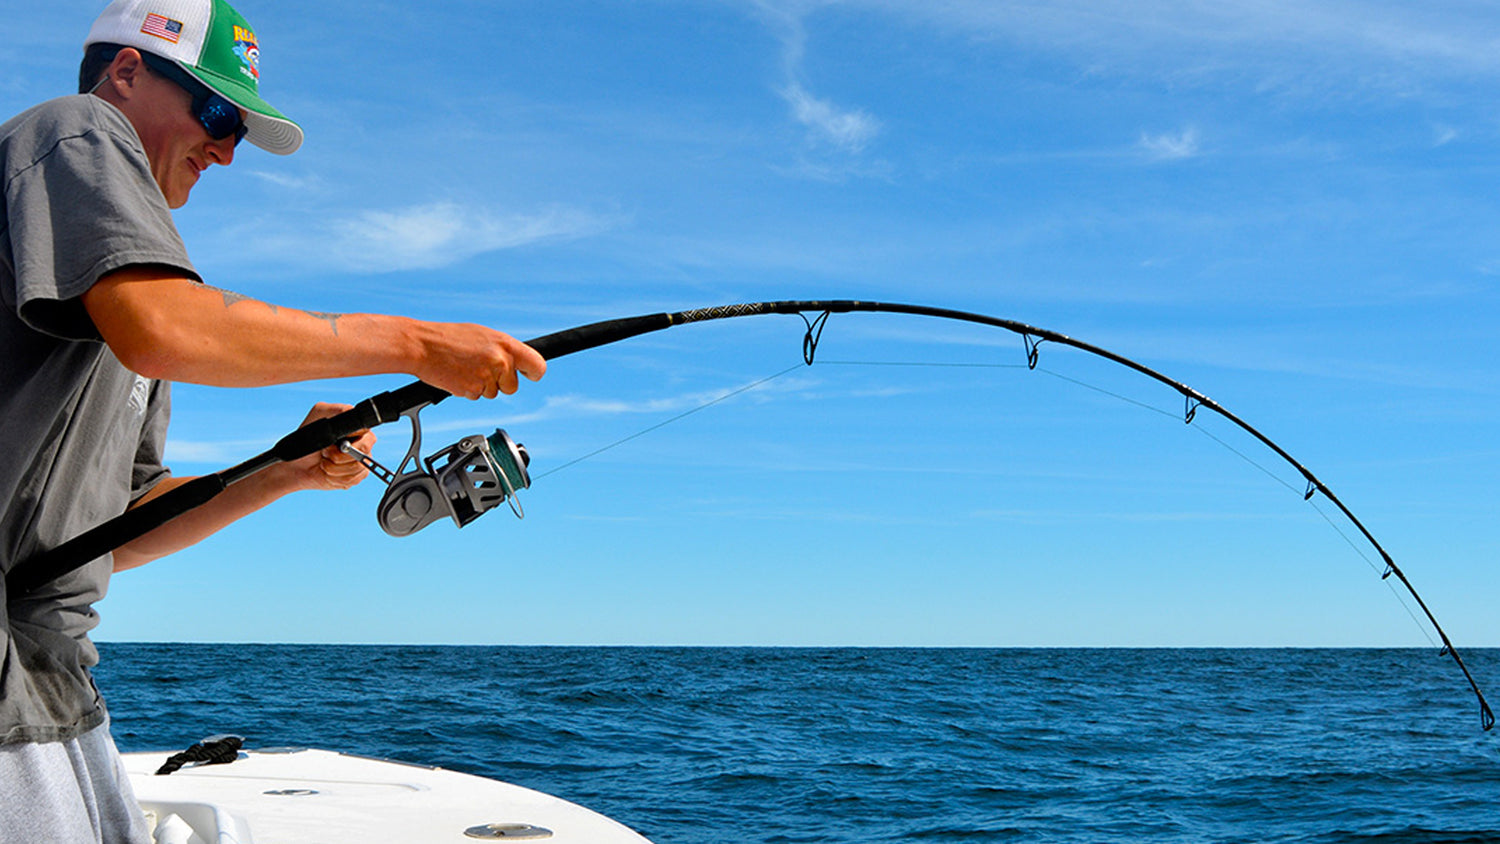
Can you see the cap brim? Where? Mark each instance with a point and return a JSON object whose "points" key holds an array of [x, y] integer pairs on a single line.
{"points": [[272, 132]]}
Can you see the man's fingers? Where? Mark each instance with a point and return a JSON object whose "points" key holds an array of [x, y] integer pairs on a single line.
{"points": [[509, 383], [528, 362]]}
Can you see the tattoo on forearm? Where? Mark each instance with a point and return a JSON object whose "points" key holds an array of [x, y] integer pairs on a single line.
{"points": [[331, 319], [231, 298]]}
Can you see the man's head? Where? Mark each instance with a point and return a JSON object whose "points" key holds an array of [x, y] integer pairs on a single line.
{"points": [[186, 73]]}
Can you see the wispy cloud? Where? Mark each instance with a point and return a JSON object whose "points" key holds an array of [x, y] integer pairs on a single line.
{"points": [[838, 130], [1343, 45], [435, 235], [415, 237], [574, 406], [284, 180], [847, 129], [1171, 146]]}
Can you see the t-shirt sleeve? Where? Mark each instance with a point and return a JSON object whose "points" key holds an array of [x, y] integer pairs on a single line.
{"points": [[84, 205], [148, 470]]}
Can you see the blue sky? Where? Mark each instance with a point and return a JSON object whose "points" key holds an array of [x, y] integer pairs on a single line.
{"points": [[1289, 206]]}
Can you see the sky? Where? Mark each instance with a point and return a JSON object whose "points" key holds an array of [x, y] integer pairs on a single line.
{"points": [[1290, 207]]}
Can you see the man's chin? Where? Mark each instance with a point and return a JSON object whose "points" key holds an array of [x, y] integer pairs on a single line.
{"points": [[178, 196]]}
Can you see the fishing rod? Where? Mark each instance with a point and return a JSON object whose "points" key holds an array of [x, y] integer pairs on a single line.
{"points": [[475, 475]]}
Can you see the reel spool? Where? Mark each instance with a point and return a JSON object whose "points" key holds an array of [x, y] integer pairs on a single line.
{"points": [[463, 481]]}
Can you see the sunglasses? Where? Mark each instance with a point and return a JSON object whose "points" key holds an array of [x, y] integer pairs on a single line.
{"points": [[220, 117]]}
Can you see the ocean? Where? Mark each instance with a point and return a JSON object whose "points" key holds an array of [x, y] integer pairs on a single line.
{"points": [[720, 745]]}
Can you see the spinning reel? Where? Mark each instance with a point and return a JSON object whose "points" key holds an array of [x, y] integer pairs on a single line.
{"points": [[463, 481]]}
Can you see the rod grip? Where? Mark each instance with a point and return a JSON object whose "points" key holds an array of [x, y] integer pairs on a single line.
{"points": [[376, 410], [571, 340]]}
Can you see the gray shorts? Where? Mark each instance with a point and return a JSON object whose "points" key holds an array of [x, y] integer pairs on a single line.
{"points": [[69, 792]]}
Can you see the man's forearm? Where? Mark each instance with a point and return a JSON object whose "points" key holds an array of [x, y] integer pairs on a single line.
{"points": [[330, 468], [164, 326], [235, 502], [176, 329]]}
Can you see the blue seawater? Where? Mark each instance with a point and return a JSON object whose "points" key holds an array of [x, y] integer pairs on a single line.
{"points": [[711, 745]]}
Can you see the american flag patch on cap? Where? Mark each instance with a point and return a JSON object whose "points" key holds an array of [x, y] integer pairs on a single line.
{"points": [[162, 27]]}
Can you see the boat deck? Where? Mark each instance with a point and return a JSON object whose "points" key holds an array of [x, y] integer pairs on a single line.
{"points": [[300, 796]]}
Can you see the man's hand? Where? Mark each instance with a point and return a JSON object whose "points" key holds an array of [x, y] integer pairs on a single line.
{"points": [[330, 468], [472, 361]]}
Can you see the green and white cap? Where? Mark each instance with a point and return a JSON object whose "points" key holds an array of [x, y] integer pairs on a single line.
{"points": [[211, 41]]}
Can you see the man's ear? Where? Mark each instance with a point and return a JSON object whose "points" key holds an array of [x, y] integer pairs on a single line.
{"points": [[124, 73]]}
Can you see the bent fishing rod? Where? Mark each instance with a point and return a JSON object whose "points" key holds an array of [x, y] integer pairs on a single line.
{"points": [[478, 473]]}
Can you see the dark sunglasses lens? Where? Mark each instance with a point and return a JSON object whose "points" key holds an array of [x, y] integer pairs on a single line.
{"points": [[221, 119]]}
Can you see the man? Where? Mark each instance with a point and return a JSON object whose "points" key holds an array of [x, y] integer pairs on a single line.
{"points": [[101, 311]]}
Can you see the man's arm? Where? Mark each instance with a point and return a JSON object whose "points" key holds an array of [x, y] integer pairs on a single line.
{"points": [[328, 469], [162, 325]]}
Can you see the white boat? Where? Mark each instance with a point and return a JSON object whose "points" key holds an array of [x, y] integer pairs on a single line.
{"points": [[302, 796]]}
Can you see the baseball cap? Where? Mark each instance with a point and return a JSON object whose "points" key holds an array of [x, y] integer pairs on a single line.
{"points": [[212, 42]]}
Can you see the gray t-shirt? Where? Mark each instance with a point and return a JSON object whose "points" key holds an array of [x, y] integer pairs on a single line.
{"points": [[81, 436]]}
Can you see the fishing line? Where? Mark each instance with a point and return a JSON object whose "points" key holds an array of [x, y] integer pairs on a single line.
{"points": [[938, 364], [1087, 386], [1400, 599], [1343, 534], [662, 424], [596, 452], [1360, 552]]}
